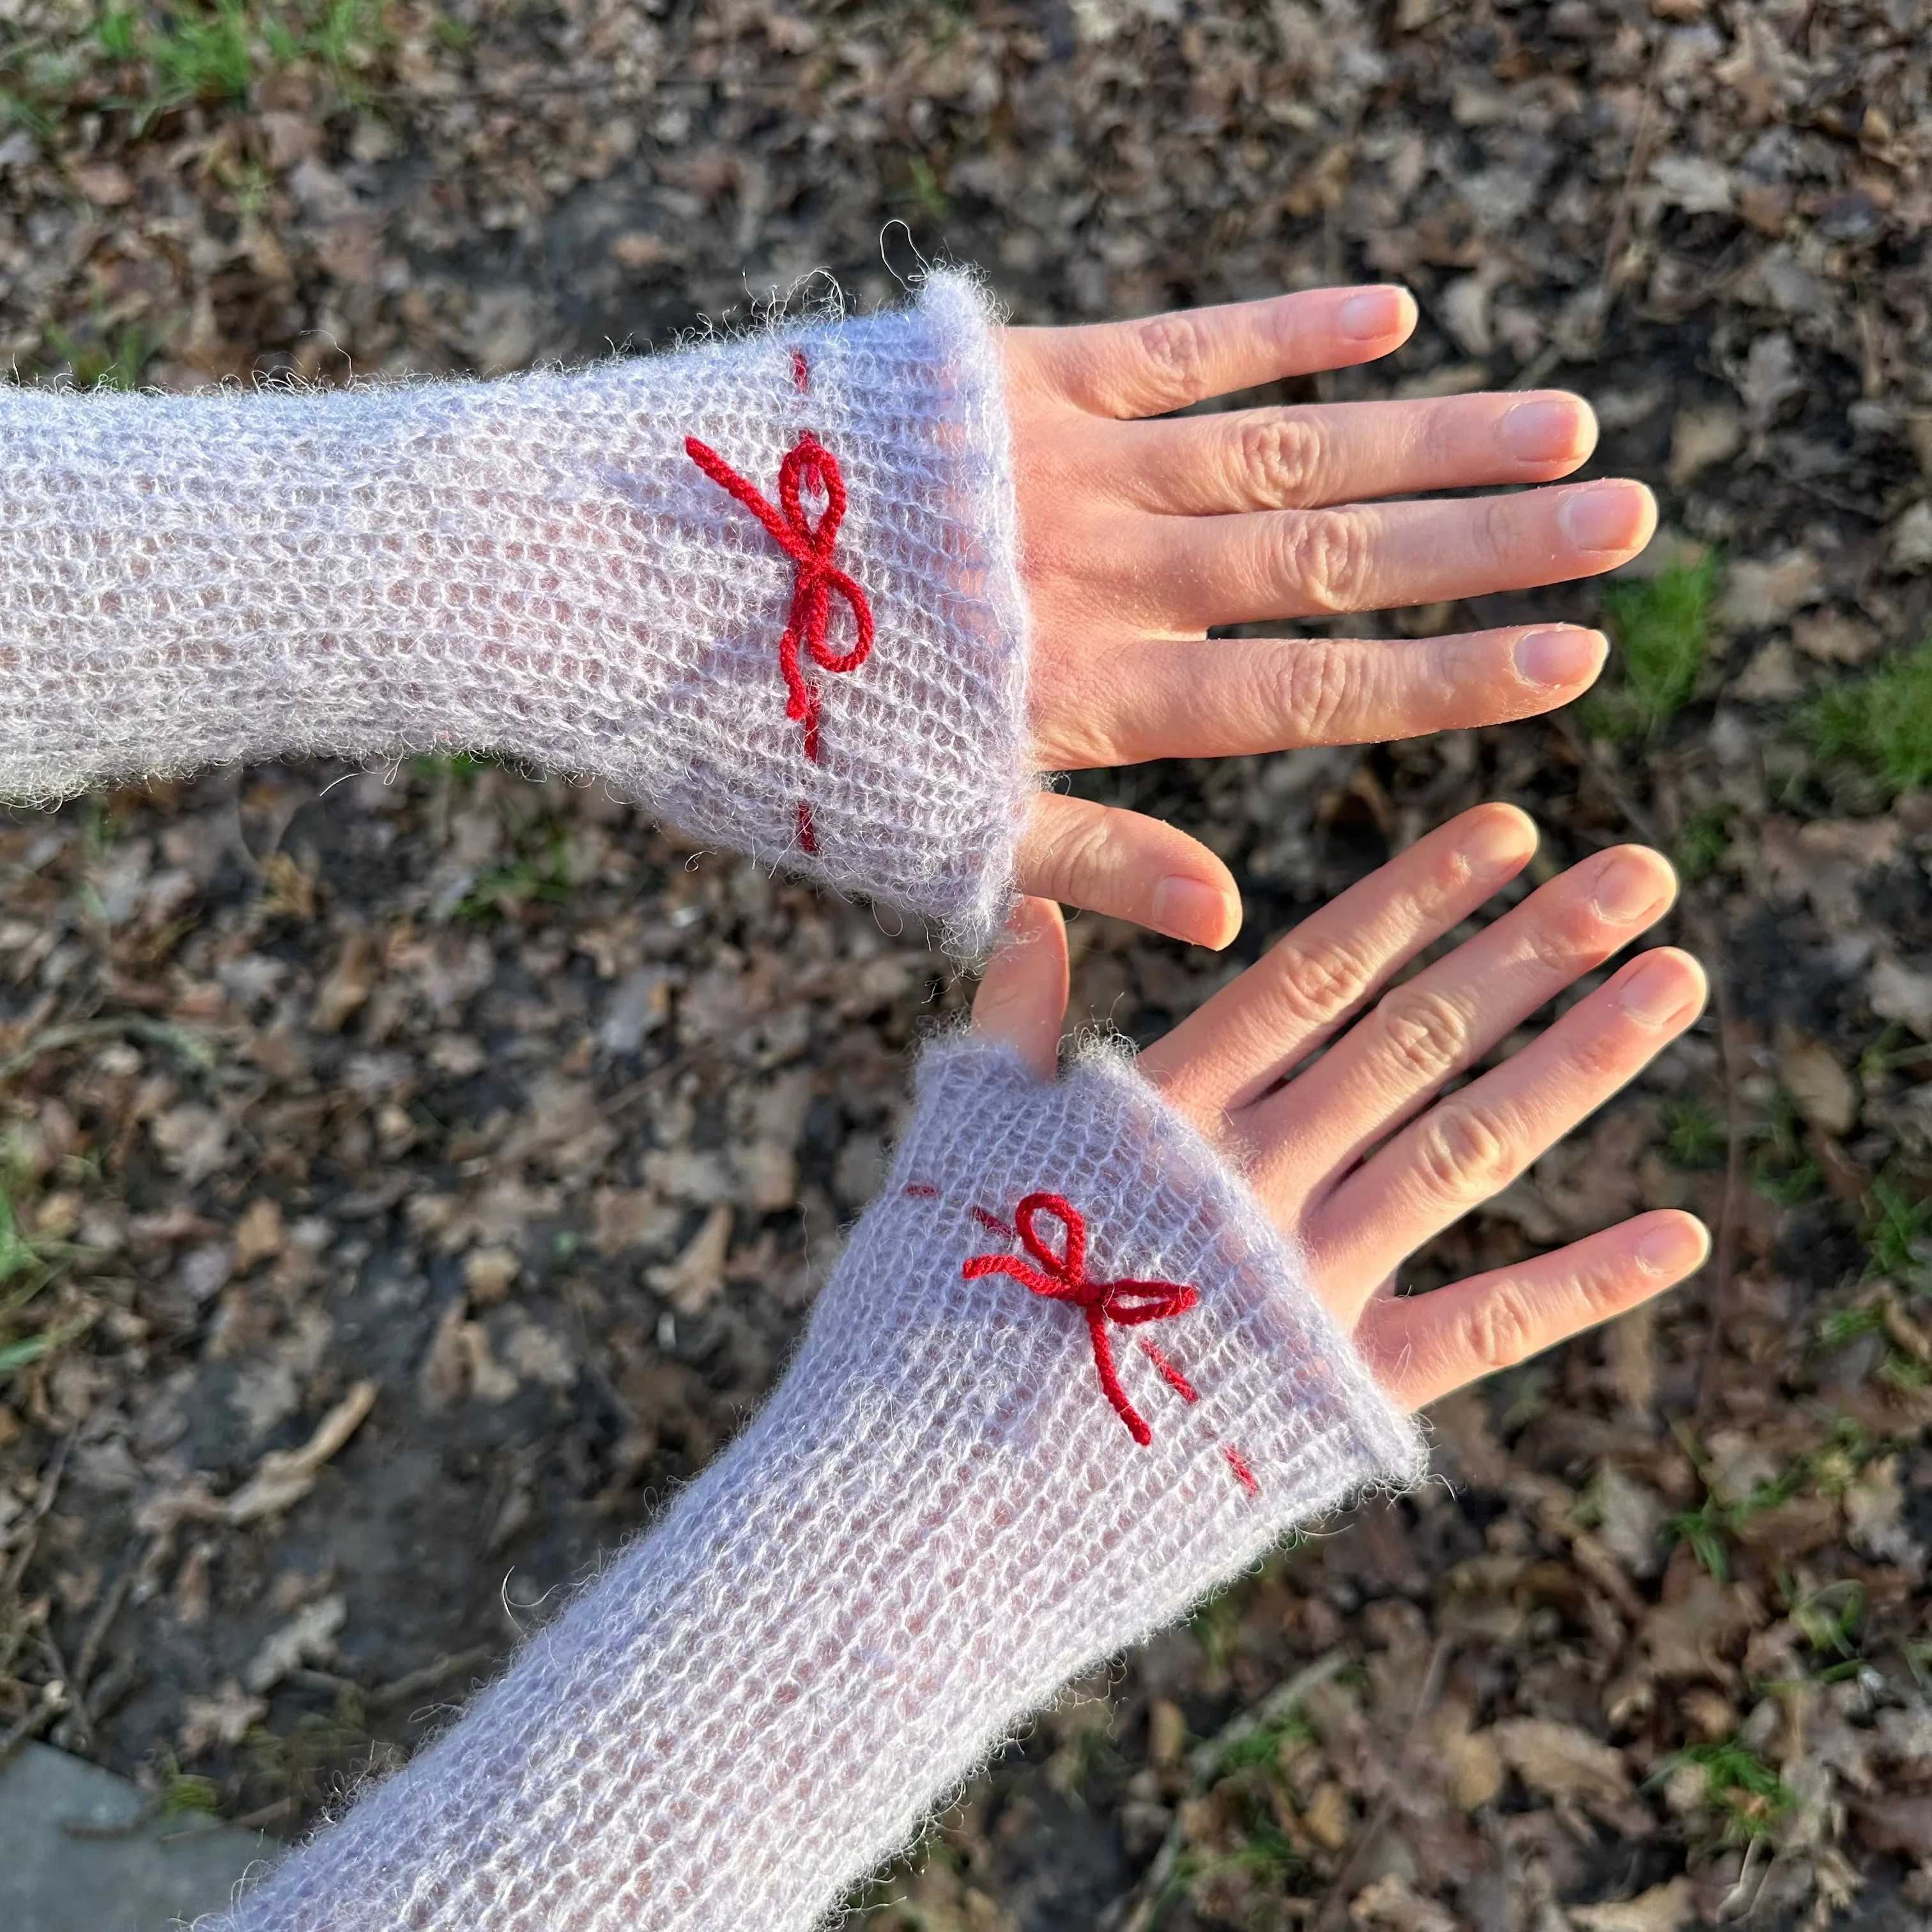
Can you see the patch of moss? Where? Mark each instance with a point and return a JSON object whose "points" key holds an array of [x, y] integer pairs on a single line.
{"points": [[1881, 723], [1662, 625]]}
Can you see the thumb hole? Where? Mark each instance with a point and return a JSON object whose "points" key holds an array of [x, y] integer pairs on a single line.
{"points": [[1022, 997]]}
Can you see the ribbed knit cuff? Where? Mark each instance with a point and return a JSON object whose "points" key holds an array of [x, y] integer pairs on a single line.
{"points": [[767, 586]]}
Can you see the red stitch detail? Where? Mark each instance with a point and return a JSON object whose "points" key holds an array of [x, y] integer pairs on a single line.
{"points": [[801, 371], [1064, 1278], [808, 834], [808, 464], [991, 1222], [1172, 1376], [922, 1190], [1238, 1463]]}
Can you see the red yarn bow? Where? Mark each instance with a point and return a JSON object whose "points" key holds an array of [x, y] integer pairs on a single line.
{"points": [[1064, 1278], [808, 463]]}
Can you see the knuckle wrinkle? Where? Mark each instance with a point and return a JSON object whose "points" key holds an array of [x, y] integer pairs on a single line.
{"points": [[1175, 352], [1279, 463], [1318, 984], [1463, 1159], [1427, 1032], [1316, 688], [1500, 1331], [1328, 562]]}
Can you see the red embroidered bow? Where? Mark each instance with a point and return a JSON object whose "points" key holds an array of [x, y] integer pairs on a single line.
{"points": [[808, 463], [1064, 1278]]}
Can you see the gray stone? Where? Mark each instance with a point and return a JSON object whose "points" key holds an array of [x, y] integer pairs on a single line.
{"points": [[52, 1881]]}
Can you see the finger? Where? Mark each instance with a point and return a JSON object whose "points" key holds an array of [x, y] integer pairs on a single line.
{"points": [[1204, 571], [1163, 362], [1228, 1053], [1342, 453], [1232, 695], [1128, 865], [1471, 1145], [1439, 1023], [1022, 997], [1422, 1346]]}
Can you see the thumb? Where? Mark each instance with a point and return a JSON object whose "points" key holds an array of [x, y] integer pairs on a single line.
{"points": [[1022, 997], [1130, 866]]}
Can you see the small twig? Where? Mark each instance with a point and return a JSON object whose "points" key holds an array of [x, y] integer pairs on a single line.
{"points": [[112, 1686], [380, 1697], [1869, 512], [1702, 928], [1205, 1759], [1509, 1871], [1735, 1904], [28, 1531], [190, 1047], [667, 1070], [53, 1702], [1635, 816], [1536, 371], [414, 1683], [1338, 1893], [75, 1727], [253, 1821], [1618, 239], [284, 1476], [96, 1634], [331, 1681], [1722, 281]]}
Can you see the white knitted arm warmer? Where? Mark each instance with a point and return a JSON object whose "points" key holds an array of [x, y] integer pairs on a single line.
{"points": [[939, 1518], [544, 567]]}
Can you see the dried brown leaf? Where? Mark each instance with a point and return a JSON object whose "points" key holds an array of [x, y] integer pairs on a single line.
{"points": [[285, 1476]]}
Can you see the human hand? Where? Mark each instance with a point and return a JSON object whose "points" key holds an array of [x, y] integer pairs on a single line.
{"points": [[1138, 536], [1356, 1156]]}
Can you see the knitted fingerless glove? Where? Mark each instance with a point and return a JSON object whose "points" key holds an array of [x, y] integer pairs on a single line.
{"points": [[995, 1460], [766, 586]]}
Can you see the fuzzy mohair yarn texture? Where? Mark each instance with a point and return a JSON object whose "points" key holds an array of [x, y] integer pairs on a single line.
{"points": [[538, 567], [936, 1521]]}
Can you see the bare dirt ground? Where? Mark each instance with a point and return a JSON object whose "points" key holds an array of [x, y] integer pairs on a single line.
{"points": [[410, 1176]]}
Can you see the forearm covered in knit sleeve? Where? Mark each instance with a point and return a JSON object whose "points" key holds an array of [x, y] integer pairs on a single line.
{"points": [[767, 587], [1065, 1380]]}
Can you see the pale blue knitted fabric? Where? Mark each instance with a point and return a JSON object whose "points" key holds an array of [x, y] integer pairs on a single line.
{"points": [[537, 567], [936, 1521]]}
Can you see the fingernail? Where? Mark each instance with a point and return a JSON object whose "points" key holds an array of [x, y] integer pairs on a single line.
{"points": [[1654, 992], [1605, 516], [1372, 314], [1673, 1249], [1559, 657], [1547, 430], [1184, 908], [1629, 889], [1498, 845]]}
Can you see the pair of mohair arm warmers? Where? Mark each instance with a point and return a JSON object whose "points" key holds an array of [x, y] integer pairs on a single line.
{"points": [[1065, 1378]]}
